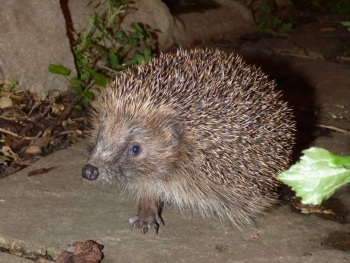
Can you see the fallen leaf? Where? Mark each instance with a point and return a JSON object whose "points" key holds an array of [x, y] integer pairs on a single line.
{"points": [[5, 102], [41, 171], [82, 252]]}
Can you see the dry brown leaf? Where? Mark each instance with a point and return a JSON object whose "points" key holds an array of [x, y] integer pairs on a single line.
{"points": [[82, 252], [7, 151], [5, 102]]}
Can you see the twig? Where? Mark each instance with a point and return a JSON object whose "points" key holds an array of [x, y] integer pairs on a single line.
{"points": [[332, 128], [333, 105], [31, 110], [68, 132], [20, 136], [68, 110], [18, 118], [48, 107], [11, 133], [78, 119]]}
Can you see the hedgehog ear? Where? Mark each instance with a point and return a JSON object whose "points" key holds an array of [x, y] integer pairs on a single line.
{"points": [[176, 129]]}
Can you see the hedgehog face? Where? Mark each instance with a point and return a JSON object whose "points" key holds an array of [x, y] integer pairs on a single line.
{"points": [[129, 149]]}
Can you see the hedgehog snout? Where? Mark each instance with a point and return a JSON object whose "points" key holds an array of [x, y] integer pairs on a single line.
{"points": [[90, 172]]}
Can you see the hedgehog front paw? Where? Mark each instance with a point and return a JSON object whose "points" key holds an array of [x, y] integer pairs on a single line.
{"points": [[144, 222], [149, 210]]}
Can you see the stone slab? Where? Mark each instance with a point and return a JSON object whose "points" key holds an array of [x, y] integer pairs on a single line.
{"points": [[48, 212]]}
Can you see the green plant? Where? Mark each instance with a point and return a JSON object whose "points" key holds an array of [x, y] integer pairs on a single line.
{"points": [[335, 7], [317, 175], [104, 48], [7, 85], [347, 24], [341, 7], [271, 23], [80, 87]]}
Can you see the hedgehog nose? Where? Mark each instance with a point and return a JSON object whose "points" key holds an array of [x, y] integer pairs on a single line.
{"points": [[90, 172]]}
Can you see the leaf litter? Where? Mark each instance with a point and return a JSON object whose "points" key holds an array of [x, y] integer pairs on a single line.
{"points": [[31, 127]]}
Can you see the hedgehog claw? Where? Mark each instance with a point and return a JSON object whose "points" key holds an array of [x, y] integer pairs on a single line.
{"points": [[143, 223]]}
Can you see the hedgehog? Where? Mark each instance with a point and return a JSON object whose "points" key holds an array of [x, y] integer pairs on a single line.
{"points": [[198, 129]]}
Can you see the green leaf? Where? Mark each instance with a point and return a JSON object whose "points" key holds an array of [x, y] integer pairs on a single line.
{"points": [[78, 107], [345, 23], [286, 27], [114, 60], [317, 175], [135, 26], [341, 161], [59, 69], [138, 58], [101, 27], [118, 33], [265, 5], [147, 55], [77, 82], [77, 89], [89, 95], [101, 50], [99, 79]]}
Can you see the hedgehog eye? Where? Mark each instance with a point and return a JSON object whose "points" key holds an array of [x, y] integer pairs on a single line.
{"points": [[134, 150]]}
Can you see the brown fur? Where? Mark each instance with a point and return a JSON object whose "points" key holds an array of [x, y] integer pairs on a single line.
{"points": [[212, 130]]}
